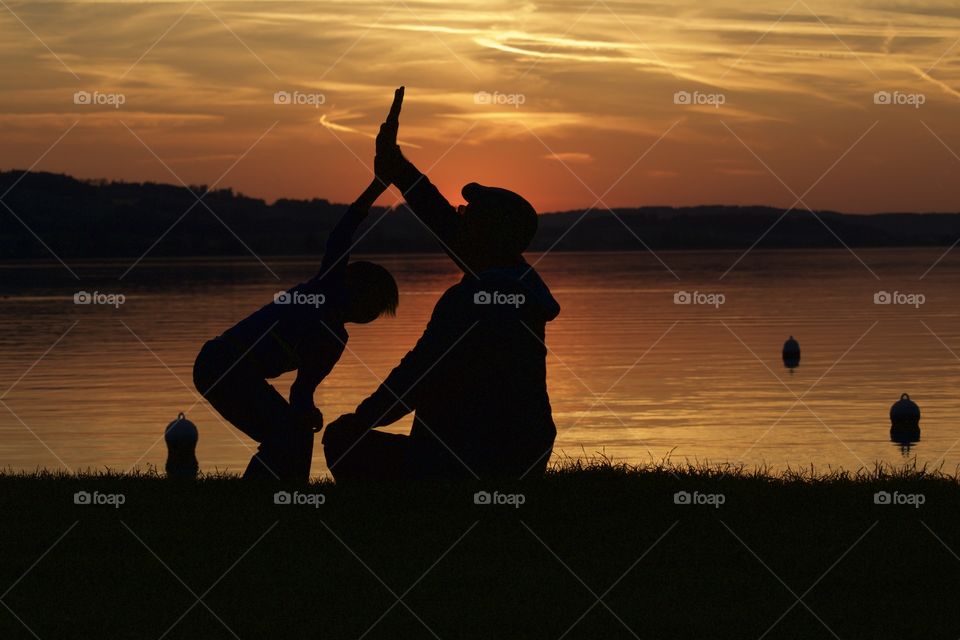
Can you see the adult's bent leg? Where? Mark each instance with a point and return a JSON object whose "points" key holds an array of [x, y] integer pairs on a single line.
{"points": [[377, 455]]}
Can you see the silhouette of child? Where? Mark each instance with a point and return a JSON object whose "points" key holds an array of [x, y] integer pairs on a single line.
{"points": [[303, 330]]}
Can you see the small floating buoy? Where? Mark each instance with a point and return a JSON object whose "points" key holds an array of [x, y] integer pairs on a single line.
{"points": [[181, 437], [905, 420], [791, 354]]}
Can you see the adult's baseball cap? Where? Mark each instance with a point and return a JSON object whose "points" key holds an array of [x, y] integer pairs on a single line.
{"points": [[508, 218]]}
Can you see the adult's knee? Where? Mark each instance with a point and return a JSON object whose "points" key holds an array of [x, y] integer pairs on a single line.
{"points": [[375, 455], [210, 365], [333, 453]]}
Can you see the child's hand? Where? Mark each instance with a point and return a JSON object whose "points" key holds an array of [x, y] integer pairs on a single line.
{"points": [[308, 418]]}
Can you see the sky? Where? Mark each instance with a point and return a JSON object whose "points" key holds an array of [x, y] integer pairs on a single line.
{"points": [[850, 105]]}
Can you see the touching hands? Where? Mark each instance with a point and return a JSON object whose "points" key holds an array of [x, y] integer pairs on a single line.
{"points": [[308, 418], [389, 159]]}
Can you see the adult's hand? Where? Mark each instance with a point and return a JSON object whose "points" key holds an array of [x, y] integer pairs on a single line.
{"points": [[389, 159]]}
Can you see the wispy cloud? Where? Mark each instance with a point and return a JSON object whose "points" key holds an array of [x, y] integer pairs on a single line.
{"points": [[601, 79], [572, 157]]}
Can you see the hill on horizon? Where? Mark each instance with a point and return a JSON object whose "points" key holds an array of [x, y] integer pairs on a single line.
{"points": [[101, 219]]}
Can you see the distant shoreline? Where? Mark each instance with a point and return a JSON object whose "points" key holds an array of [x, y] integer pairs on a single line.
{"points": [[12, 263], [58, 216]]}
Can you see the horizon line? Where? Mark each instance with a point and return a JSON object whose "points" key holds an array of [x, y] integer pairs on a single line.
{"points": [[94, 181]]}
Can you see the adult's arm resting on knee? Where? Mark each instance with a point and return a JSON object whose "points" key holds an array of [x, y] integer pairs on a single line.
{"points": [[409, 381]]}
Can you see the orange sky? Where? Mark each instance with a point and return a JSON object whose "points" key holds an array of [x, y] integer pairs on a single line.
{"points": [[580, 104]]}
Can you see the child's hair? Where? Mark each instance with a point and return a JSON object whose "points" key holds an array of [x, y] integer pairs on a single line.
{"points": [[372, 291]]}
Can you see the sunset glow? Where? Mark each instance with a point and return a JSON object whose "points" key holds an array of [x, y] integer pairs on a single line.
{"points": [[571, 104]]}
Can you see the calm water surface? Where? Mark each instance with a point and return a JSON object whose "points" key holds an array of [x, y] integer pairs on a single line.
{"points": [[632, 375]]}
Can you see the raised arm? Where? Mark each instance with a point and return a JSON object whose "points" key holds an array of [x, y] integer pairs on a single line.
{"points": [[423, 198], [340, 240]]}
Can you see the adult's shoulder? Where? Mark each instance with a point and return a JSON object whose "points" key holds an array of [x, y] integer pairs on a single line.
{"points": [[457, 298]]}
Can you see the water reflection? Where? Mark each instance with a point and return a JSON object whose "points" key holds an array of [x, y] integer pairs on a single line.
{"points": [[630, 373]]}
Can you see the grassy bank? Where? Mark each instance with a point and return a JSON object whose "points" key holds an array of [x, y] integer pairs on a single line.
{"points": [[218, 558]]}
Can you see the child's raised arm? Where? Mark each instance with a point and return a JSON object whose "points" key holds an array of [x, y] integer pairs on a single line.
{"points": [[340, 242]]}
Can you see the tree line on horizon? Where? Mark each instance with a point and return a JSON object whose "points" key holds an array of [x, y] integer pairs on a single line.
{"points": [[108, 219]]}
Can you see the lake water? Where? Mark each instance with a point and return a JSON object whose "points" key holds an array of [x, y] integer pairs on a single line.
{"points": [[632, 375]]}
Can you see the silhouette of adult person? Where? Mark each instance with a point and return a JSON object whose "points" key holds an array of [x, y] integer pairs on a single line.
{"points": [[476, 379]]}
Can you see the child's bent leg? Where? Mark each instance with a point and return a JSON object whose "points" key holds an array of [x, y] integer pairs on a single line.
{"points": [[236, 392], [252, 405], [285, 454]]}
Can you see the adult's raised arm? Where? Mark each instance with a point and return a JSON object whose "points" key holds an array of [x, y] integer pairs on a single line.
{"points": [[423, 198]]}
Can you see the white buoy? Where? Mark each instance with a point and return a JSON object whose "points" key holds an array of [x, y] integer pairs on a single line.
{"points": [[181, 437]]}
